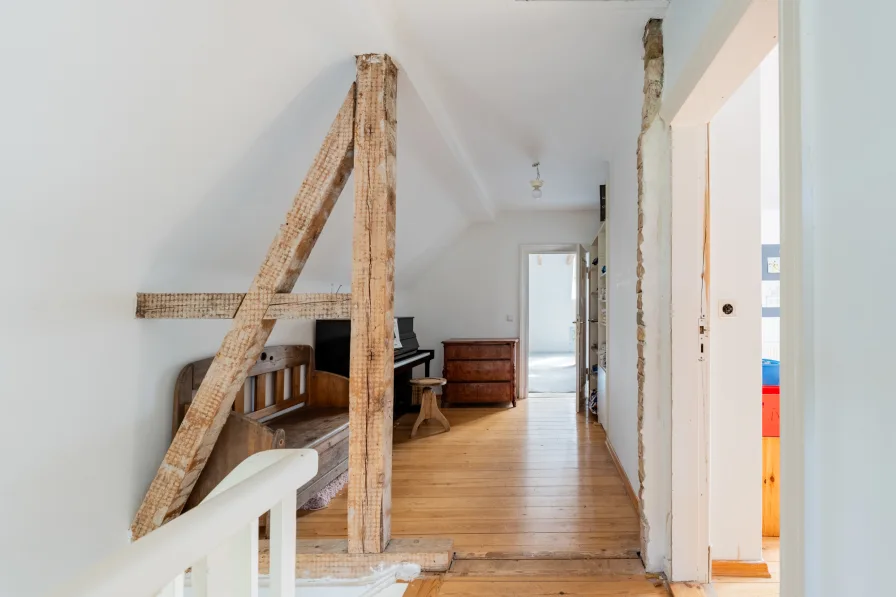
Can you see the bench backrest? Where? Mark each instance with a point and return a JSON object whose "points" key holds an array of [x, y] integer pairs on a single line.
{"points": [[279, 380]]}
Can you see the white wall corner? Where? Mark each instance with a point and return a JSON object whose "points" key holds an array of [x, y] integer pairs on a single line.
{"points": [[710, 64], [690, 408], [384, 17], [656, 296]]}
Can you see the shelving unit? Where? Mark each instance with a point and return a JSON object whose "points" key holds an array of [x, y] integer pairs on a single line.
{"points": [[597, 321]]}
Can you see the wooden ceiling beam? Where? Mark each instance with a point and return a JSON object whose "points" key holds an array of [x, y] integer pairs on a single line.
{"points": [[194, 440], [225, 305]]}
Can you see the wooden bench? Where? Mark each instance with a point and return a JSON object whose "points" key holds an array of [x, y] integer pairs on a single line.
{"points": [[284, 403]]}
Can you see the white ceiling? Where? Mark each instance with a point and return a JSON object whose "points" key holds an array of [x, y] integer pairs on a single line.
{"points": [[193, 133], [486, 87], [527, 81]]}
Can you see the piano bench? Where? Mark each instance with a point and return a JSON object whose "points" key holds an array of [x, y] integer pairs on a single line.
{"points": [[429, 408]]}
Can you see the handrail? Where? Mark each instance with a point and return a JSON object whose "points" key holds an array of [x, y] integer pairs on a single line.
{"points": [[265, 481]]}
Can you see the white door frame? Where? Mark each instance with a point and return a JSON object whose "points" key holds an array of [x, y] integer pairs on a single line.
{"points": [[738, 38], [525, 251], [794, 353]]}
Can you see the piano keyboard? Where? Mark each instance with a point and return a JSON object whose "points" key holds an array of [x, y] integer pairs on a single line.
{"points": [[420, 356]]}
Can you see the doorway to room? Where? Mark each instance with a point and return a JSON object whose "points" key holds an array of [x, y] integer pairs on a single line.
{"points": [[551, 351]]}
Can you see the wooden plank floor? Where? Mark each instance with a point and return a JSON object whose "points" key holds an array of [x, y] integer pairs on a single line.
{"points": [[529, 495], [755, 587]]}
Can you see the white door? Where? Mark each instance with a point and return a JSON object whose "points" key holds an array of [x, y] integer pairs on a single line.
{"points": [[581, 325]]}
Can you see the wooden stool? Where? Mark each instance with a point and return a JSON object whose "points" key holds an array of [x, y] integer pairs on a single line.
{"points": [[429, 409]]}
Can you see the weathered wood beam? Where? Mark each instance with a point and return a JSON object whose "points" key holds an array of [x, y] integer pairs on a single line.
{"points": [[225, 305], [242, 345], [373, 289], [330, 558]]}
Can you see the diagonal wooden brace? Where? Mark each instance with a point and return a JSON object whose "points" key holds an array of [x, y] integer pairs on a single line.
{"points": [[285, 259]]}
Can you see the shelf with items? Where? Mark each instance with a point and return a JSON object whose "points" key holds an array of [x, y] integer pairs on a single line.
{"points": [[598, 328]]}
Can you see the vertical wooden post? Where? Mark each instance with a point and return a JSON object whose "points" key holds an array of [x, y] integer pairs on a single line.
{"points": [[373, 288]]}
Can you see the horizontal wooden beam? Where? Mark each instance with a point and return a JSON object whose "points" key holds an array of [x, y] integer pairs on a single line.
{"points": [[224, 305], [329, 558]]}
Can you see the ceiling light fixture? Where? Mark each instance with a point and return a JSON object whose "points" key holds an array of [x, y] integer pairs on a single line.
{"points": [[537, 183]]}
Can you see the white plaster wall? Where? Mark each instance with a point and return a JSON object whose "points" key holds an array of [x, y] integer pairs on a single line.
{"points": [[470, 288], [552, 304], [656, 293], [622, 341], [684, 26], [770, 151], [849, 244], [735, 347], [153, 147]]}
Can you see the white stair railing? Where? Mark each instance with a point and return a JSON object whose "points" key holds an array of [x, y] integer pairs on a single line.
{"points": [[218, 539]]}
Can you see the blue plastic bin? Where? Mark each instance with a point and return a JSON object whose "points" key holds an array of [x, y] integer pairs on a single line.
{"points": [[771, 372]]}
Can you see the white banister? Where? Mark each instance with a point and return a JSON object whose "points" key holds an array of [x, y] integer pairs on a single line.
{"points": [[231, 570], [218, 538], [283, 547]]}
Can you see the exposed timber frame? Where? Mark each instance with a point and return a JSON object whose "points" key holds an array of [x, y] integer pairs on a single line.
{"points": [[224, 305], [196, 437], [371, 371], [363, 138]]}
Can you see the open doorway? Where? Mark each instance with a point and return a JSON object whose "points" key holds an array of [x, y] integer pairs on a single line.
{"points": [[553, 315], [743, 316], [552, 324]]}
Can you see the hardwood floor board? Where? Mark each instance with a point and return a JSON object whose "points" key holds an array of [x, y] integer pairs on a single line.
{"points": [[497, 513], [771, 549], [424, 587], [746, 589], [474, 490], [571, 460], [546, 570], [574, 501], [755, 587], [456, 527], [535, 483], [774, 569], [570, 588], [562, 540], [511, 478], [509, 467]]}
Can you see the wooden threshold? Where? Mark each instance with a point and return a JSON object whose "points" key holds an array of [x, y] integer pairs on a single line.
{"points": [[329, 558], [688, 589], [741, 568], [547, 570], [632, 494]]}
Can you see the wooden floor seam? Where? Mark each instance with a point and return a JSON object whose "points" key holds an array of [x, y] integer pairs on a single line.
{"points": [[530, 496]]}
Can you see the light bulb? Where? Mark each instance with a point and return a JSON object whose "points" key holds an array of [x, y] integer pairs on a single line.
{"points": [[536, 193]]}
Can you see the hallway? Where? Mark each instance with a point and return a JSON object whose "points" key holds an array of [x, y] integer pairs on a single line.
{"points": [[552, 373], [527, 493]]}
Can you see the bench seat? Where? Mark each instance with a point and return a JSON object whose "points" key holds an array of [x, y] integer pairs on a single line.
{"points": [[284, 404]]}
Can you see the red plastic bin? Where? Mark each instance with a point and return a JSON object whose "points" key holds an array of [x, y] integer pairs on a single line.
{"points": [[771, 411]]}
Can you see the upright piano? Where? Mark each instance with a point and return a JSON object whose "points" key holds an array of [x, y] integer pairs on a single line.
{"points": [[332, 351]]}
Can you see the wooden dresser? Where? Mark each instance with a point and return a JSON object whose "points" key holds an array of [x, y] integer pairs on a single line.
{"points": [[480, 370]]}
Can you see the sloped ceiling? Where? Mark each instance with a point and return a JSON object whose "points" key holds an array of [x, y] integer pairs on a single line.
{"points": [[534, 81], [182, 130]]}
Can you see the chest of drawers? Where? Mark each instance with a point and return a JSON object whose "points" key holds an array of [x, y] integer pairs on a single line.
{"points": [[480, 370]]}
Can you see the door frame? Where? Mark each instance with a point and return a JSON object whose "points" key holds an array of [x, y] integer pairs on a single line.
{"points": [[525, 251], [739, 36]]}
